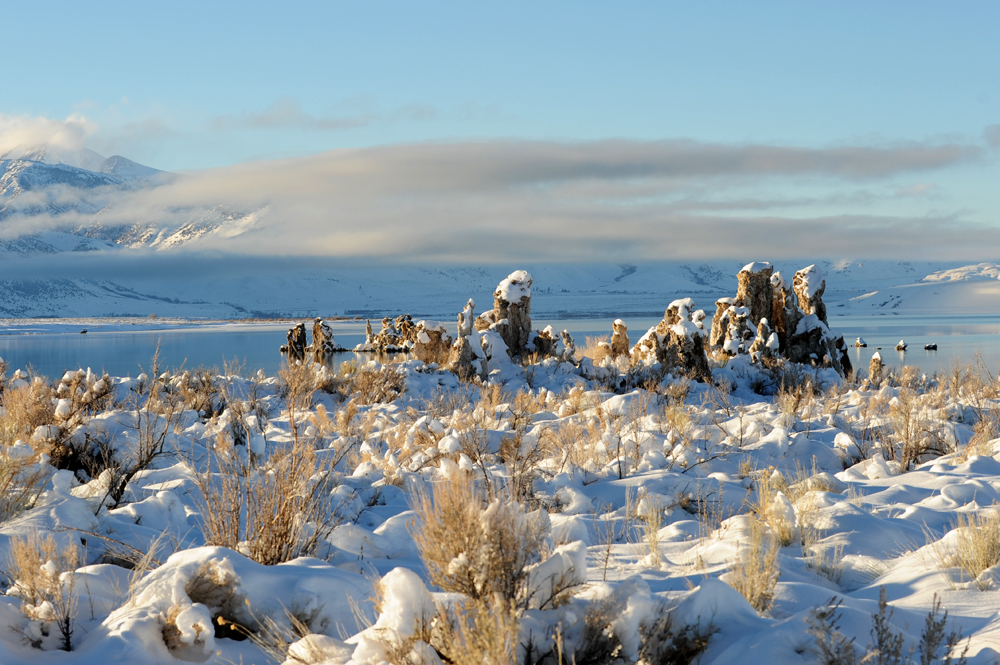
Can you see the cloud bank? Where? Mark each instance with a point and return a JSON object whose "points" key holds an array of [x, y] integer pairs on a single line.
{"points": [[614, 200]]}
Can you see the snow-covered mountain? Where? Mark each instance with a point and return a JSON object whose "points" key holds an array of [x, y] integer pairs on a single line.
{"points": [[48, 190]]}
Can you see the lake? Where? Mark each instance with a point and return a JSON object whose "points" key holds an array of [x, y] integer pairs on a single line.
{"points": [[49, 350]]}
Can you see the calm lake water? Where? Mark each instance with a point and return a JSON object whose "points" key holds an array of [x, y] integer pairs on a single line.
{"points": [[126, 353]]}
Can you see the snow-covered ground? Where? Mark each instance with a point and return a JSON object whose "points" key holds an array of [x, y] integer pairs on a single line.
{"points": [[635, 506]]}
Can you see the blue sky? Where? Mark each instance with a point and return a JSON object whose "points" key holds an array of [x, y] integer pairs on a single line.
{"points": [[179, 84], [186, 86]]}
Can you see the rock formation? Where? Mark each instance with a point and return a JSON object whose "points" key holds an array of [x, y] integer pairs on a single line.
{"points": [[569, 347], [795, 315], [433, 343], [785, 313], [875, 370], [765, 345], [467, 318], [511, 313], [739, 332], [546, 343], [396, 336], [619, 340], [323, 343], [467, 359], [676, 342], [295, 348], [720, 322], [754, 291], [809, 285]]}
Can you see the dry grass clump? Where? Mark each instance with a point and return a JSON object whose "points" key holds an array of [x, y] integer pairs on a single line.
{"points": [[485, 552], [984, 431], [297, 386], [476, 633], [574, 401], [568, 441], [482, 551], [795, 397], [21, 482], [650, 514], [915, 433], [595, 348], [42, 572], [977, 546], [772, 504], [25, 408], [825, 560], [173, 634], [272, 512], [215, 586], [755, 571], [676, 418], [373, 384], [521, 455], [243, 399], [444, 403], [346, 429]]}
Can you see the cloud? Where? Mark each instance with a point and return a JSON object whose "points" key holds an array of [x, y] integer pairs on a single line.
{"points": [[992, 136], [19, 131], [286, 113], [489, 201]]}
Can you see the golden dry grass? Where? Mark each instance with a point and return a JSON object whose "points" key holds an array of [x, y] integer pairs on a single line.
{"points": [[755, 571]]}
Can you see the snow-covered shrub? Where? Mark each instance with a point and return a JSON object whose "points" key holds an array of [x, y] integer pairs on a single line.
{"points": [[211, 605], [936, 644], [42, 571], [404, 629], [188, 632], [148, 423], [831, 646], [665, 643], [198, 390]]}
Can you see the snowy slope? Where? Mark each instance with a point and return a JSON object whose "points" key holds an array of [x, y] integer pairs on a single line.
{"points": [[973, 289], [225, 287]]}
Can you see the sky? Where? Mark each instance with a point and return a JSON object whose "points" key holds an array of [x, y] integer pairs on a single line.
{"points": [[561, 129]]}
